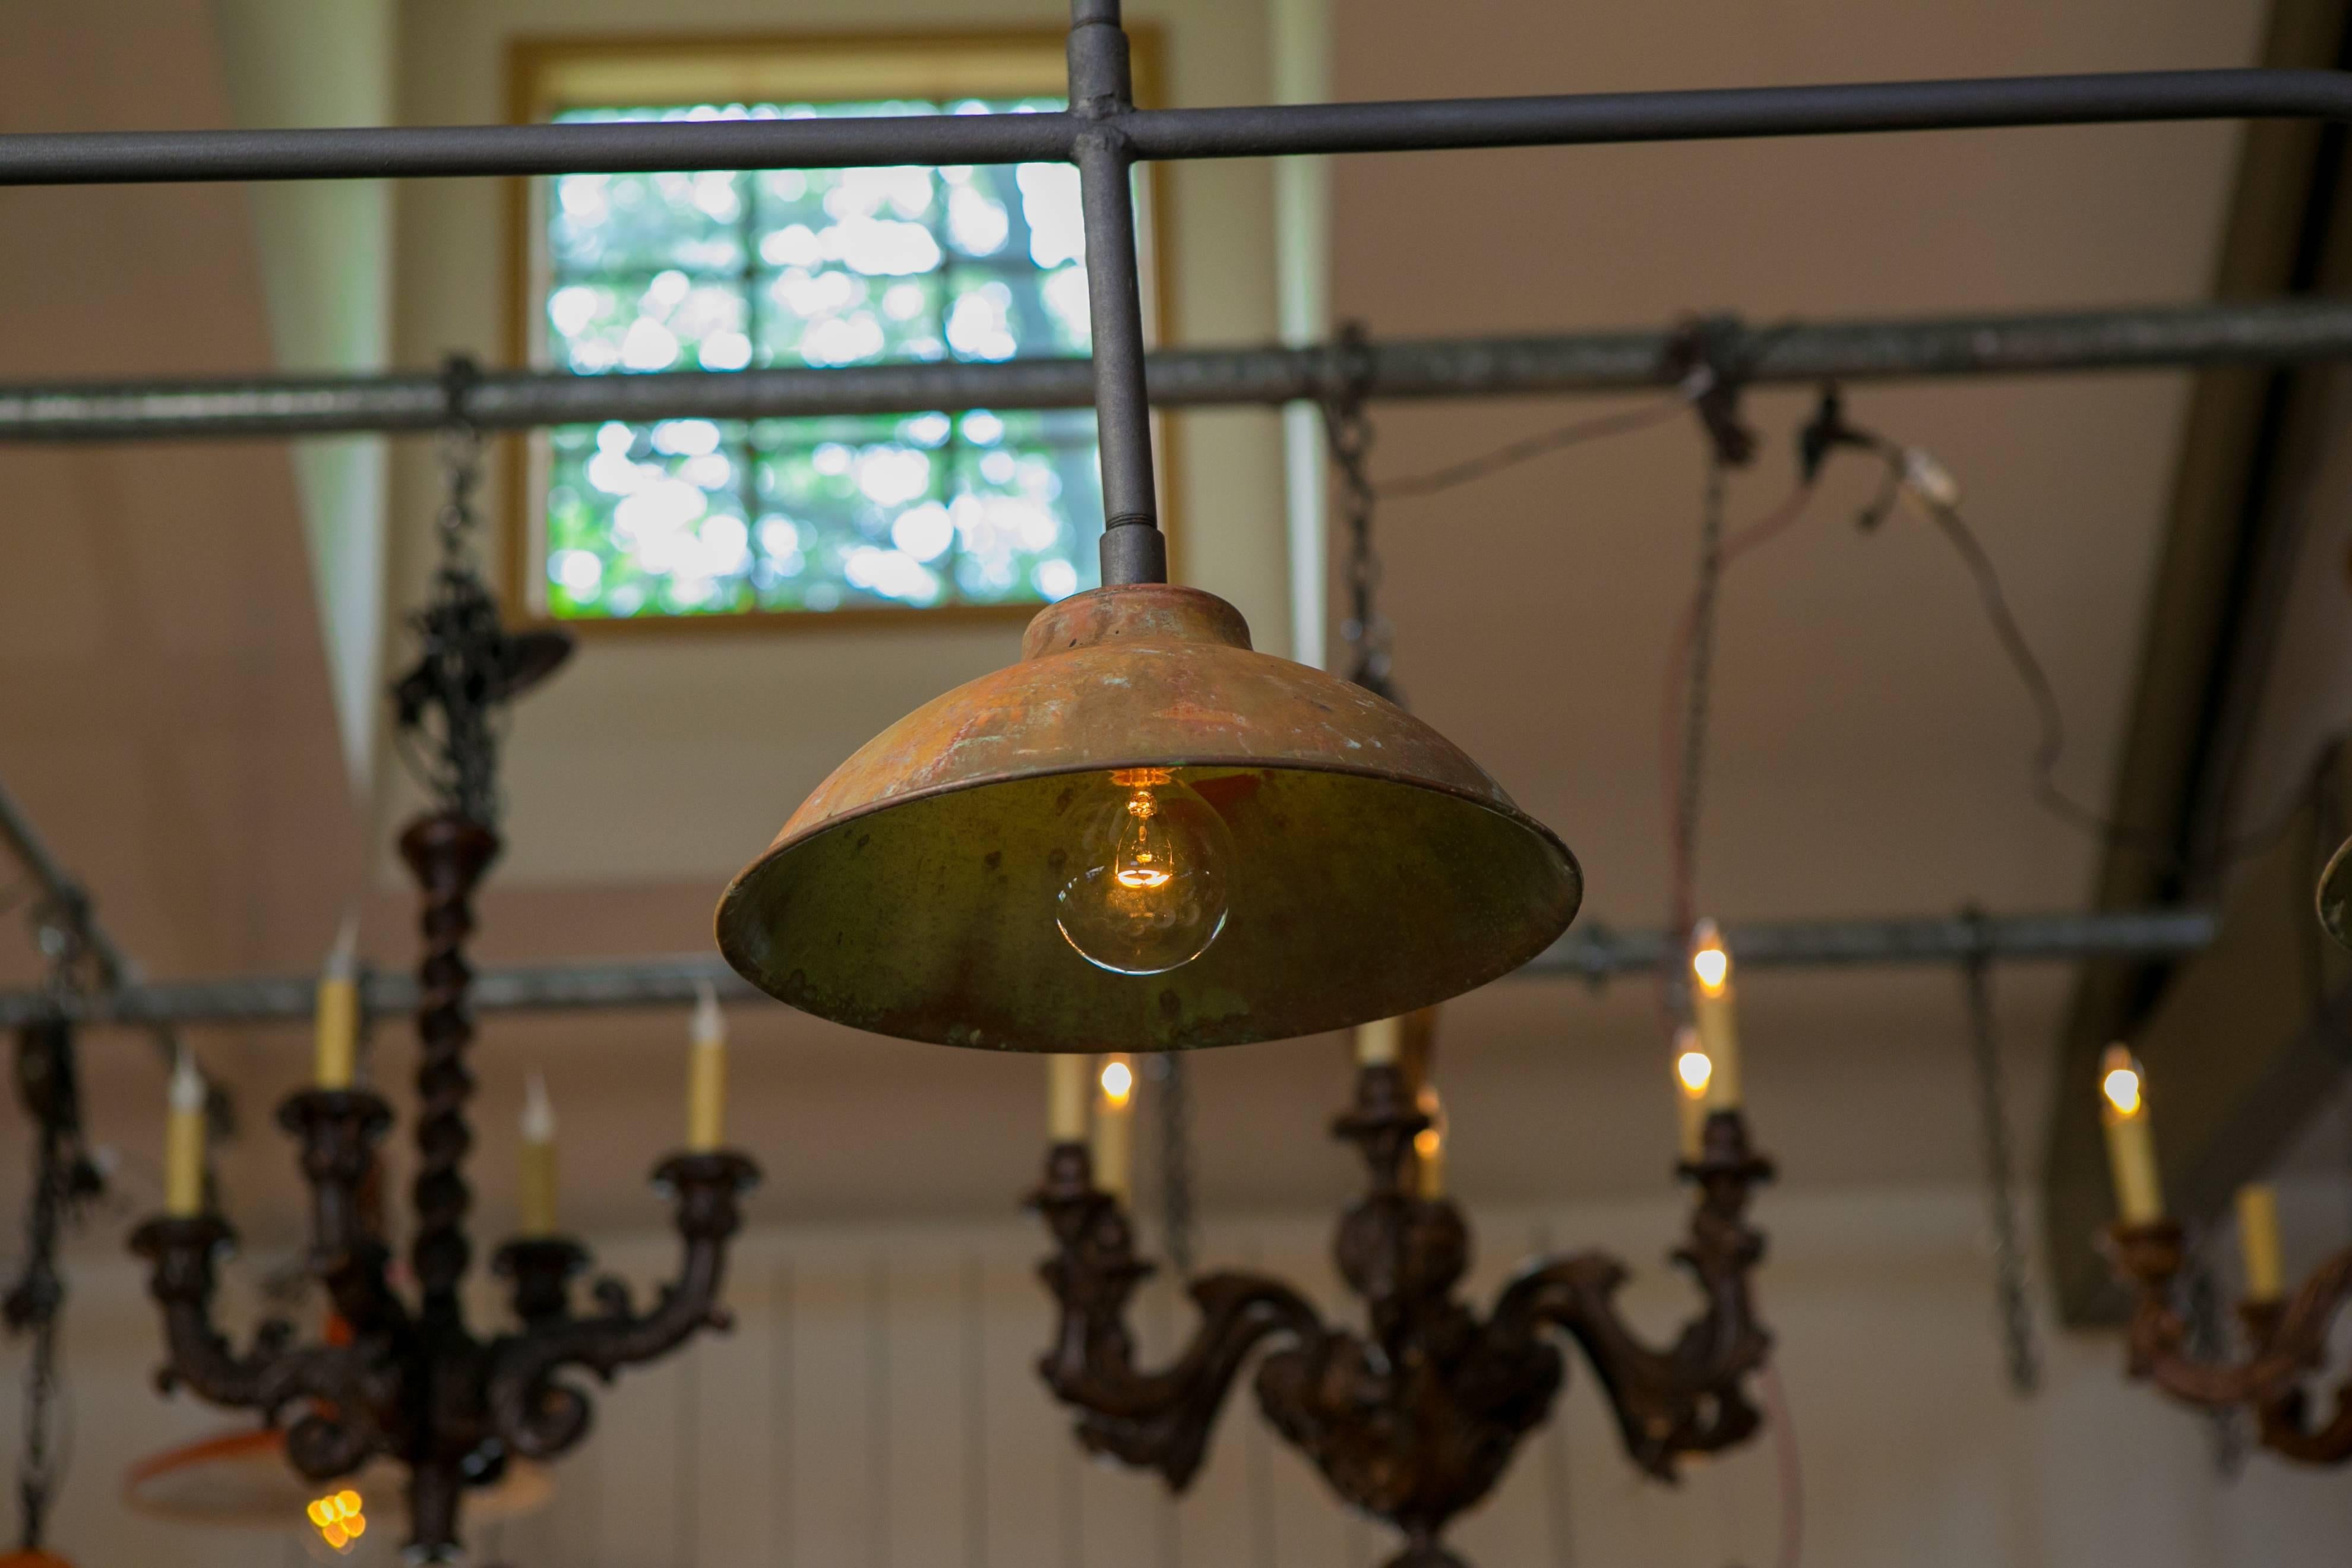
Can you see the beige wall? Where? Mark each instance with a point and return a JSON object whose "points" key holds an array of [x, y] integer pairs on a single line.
{"points": [[876, 1409], [676, 757]]}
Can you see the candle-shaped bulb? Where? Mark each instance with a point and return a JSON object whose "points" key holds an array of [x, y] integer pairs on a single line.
{"points": [[538, 1112], [536, 1201], [1693, 1071], [1118, 1081], [1114, 1144], [1429, 1148], [2257, 1242], [2131, 1147], [338, 1038], [1711, 1015], [183, 1141], [706, 1085]]}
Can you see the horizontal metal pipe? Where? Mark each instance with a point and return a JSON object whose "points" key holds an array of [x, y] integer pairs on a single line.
{"points": [[429, 152], [2271, 332], [1591, 952]]}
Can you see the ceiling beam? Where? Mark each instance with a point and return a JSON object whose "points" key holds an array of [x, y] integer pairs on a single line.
{"points": [[2229, 545]]}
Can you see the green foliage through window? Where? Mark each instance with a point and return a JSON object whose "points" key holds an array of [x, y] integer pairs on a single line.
{"points": [[724, 271]]}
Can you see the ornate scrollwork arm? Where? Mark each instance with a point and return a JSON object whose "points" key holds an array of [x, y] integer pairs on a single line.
{"points": [[1690, 1398], [2287, 1342], [537, 1414], [339, 1385], [1157, 1420], [1414, 1420]]}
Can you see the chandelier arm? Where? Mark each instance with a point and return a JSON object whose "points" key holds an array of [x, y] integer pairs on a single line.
{"points": [[1691, 1397], [340, 1385], [2288, 1340], [539, 1416], [1155, 1420]]}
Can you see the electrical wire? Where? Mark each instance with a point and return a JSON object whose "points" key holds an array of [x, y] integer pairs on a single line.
{"points": [[1621, 423], [1788, 1467]]}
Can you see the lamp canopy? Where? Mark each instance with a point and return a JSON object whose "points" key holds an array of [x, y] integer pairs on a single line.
{"points": [[1374, 867]]}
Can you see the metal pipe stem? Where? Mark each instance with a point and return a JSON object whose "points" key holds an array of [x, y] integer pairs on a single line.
{"points": [[2176, 336], [460, 150], [1592, 952], [1133, 551]]}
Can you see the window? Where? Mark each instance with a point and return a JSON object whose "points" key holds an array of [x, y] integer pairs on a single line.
{"points": [[719, 272]]}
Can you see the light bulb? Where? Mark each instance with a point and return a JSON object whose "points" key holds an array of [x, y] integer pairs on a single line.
{"points": [[1118, 1082], [1710, 963], [2121, 1086], [1150, 893], [1694, 1069]]}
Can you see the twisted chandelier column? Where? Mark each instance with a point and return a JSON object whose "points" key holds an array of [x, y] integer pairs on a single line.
{"points": [[1414, 1421]]}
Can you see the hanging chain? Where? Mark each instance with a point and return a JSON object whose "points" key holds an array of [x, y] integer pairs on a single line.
{"points": [[470, 666], [2209, 1341], [1696, 692], [1174, 1087], [1348, 434], [2018, 1346], [65, 1178]]}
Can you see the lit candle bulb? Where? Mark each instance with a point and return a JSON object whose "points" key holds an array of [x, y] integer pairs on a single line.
{"points": [[1693, 1072], [706, 1076], [538, 1197], [1718, 1034], [2131, 1148], [183, 1141], [1429, 1149], [1114, 1144], [1066, 1098], [339, 1010], [2257, 1242], [1379, 1043]]}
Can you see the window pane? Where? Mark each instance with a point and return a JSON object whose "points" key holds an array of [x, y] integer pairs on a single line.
{"points": [[723, 272]]}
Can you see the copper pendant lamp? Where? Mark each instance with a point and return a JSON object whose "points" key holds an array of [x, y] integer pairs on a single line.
{"points": [[1364, 866], [1144, 835]]}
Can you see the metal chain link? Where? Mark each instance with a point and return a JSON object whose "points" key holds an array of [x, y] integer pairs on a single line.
{"points": [[1697, 690], [2209, 1341], [1175, 1085], [1348, 434], [2019, 1348]]}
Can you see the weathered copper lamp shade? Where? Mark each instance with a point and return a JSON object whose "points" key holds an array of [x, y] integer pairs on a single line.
{"points": [[2335, 894], [1374, 868]]}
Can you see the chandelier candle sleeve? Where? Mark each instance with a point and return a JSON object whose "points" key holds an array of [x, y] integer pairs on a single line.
{"points": [[338, 1011], [706, 1081], [2257, 1242], [1711, 1011], [1114, 1131], [1693, 1072], [1066, 1098], [183, 1141], [538, 1198], [1379, 1042], [2131, 1147]]}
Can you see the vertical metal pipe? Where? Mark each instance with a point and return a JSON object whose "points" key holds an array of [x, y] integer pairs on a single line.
{"points": [[1132, 548]]}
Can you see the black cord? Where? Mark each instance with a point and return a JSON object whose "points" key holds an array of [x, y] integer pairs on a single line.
{"points": [[1828, 433], [1622, 421]]}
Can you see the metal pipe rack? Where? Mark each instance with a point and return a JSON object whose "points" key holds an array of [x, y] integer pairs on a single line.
{"points": [[2159, 337], [1158, 135], [1592, 952], [1103, 132]]}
